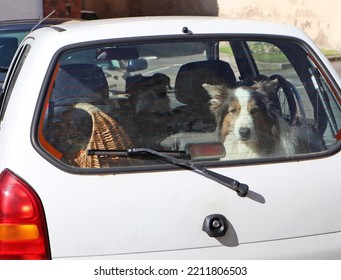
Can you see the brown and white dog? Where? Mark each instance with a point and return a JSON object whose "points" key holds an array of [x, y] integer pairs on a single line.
{"points": [[248, 123]]}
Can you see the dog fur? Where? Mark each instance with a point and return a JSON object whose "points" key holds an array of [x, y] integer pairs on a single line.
{"points": [[248, 123], [149, 95]]}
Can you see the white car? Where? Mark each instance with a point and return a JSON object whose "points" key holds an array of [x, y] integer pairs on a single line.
{"points": [[170, 138]]}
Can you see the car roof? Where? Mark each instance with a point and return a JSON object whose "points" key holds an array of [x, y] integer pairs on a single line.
{"points": [[27, 24], [85, 32], [169, 24]]}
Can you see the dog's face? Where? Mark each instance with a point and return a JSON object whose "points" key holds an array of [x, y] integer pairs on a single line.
{"points": [[244, 112], [151, 101], [149, 95]]}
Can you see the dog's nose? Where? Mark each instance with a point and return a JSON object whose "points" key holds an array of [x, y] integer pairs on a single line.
{"points": [[244, 133]]}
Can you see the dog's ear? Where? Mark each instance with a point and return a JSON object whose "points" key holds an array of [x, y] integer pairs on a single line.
{"points": [[272, 85], [215, 91], [266, 86], [218, 95]]}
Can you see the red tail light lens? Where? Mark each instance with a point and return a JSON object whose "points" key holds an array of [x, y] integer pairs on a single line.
{"points": [[205, 151], [23, 231]]}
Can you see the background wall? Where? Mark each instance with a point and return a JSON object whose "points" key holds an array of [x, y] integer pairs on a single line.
{"points": [[321, 20], [63, 8], [119, 8], [19, 9]]}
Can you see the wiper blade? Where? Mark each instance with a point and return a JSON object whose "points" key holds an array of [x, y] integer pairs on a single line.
{"points": [[241, 189], [129, 153]]}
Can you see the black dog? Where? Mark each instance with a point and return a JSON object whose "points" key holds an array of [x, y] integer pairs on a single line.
{"points": [[149, 94]]}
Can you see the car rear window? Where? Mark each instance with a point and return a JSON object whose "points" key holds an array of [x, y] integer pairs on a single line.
{"points": [[219, 101]]}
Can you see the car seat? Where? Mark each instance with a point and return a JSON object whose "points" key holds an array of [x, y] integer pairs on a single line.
{"points": [[193, 122], [80, 83], [195, 114], [68, 128]]}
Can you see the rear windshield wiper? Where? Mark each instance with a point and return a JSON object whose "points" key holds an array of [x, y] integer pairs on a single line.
{"points": [[241, 189]]}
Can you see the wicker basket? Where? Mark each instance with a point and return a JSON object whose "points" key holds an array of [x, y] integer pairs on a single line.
{"points": [[106, 134]]}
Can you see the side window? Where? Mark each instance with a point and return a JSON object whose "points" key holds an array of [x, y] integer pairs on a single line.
{"points": [[226, 54], [12, 76], [184, 99], [327, 116]]}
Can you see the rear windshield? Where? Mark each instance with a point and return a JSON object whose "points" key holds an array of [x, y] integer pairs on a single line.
{"points": [[218, 101]]}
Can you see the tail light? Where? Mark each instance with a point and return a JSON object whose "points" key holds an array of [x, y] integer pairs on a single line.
{"points": [[205, 151], [23, 231]]}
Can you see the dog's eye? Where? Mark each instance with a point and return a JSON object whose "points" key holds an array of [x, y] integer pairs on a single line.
{"points": [[254, 110], [233, 111]]}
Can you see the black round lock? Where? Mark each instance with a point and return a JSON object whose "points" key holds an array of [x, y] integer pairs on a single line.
{"points": [[215, 225]]}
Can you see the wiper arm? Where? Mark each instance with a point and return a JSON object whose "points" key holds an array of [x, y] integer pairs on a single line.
{"points": [[241, 189]]}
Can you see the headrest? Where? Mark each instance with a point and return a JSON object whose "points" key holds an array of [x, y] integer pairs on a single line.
{"points": [[80, 83], [138, 82], [191, 76]]}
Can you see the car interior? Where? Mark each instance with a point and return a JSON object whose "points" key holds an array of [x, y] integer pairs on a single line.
{"points": [[117, 97]]}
